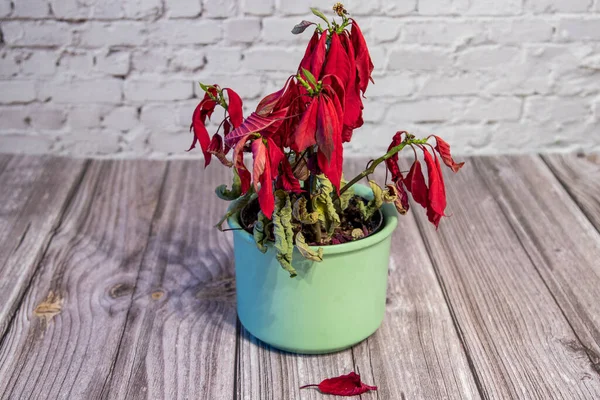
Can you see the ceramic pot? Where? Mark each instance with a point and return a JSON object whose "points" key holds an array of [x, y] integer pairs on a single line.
{"points": [[330, 305]]}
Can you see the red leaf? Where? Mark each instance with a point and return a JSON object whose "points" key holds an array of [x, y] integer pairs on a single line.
{"points": [[276, 156], [345, 385], [238, 159], [328, 123], [304, 136], [443, 149], [353, 102], [271, 102], [401, 203], [234, 108], [337, 62], [364, 65], [287, 181], [328, 126], [318, 56], [306, 60], [262, 173], [392, 162], [203, 110], [415, 183], [437, 193], [216, 149], [256, 124]]}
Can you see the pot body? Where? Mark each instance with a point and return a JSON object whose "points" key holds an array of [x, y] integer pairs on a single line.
{"points": [[329, 306]]}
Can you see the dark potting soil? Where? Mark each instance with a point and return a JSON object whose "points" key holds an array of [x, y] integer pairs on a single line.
{"points": [[351, 219]]}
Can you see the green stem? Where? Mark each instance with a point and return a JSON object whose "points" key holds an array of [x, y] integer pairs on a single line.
{"points": [[378, 161]]}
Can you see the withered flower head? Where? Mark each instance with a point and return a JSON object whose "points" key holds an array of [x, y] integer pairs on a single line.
{"points": [[339, 9]]}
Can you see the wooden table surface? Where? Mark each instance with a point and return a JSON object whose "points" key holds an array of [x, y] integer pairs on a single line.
{"points": [[115, 285]]}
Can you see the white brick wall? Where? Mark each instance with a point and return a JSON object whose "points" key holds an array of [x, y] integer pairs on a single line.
{"points": [[118, 77]]}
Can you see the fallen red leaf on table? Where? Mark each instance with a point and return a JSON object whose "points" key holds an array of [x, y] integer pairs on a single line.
{"points": [[345, 385]]}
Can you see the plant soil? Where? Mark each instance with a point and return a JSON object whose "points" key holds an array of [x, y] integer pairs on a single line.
{"points": [[351, 220]]}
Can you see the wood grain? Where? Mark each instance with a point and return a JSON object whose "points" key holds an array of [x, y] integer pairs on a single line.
{"points": [[580, 175], [65, 336], [180, 338], [560, 241], [516, 336], [34, 191], [415, 354]]}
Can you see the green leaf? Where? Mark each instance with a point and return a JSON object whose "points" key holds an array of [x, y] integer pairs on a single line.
{"points": [[260, 232], [241, 203], [236, 189], [306, 251], [311, 78], [205, 87], [346, 196], [319, 14], [301, 214], [372, 206], [323, 204], [284, 235], [301, 27]]}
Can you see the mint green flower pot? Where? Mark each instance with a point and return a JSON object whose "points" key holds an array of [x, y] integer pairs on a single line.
{"points": [[330, 306]]}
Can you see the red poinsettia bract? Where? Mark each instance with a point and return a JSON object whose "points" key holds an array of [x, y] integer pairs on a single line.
{"points": [[344, 385]]}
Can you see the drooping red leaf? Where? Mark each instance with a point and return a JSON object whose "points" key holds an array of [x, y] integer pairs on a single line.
{"points": [[328, 123], [238, 159], [234, 108], [345, 385], [443, 149], [287, 181], [216, 149], [415, 183], [392, 162], [226, 130], [256, 123], [276, 156], [202, 111], [402, 201], [310, 47], [262, 173], [364, 65], [437, 193], [328, 126], [271, 102], [353, 102], [305, 133], [337, 62], [318, 56]]}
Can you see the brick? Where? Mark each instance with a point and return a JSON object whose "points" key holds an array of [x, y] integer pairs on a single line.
{"points": [[5, 8], [190, 60], [82, 91], [87, 116], [493, 7], [391, 86], [278, 30], [108, 9], [374, 111], [94, 143], [17, 91], [443, 7], [379, 58], [443, 32], [241, 30], [15, 118], [258, 7], [121, 119], [552, 6], [121, 33], [142, 9], [295, 7], [183, 8], [225, 59], [220, 8], [135, 141], [70, 9], [36, 33], [48, 118], [162, 118], [519, 31], [30, 9], [596, 109], [487, 57], [273, 59], [543, 109], [39, 63], [396, 8], [25, 144], [171, 143], [522, 79], [156, 89], [419, 58], [8, 65], [495, 109], [75, 63], [577, 82], [150, 60], [361, 7], [384, 29], [450, 85], [184, 32], [116, 63], [422, 110], [579, 29]]}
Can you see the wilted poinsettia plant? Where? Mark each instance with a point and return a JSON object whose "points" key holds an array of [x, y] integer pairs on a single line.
{"points": [[295, 192]]}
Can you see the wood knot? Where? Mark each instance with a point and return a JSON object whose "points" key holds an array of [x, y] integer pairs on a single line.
{"points": [[157, 295], [49, 308], [120, 290]]}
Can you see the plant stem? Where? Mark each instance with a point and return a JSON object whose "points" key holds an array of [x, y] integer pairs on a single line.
{"points": [[378, 161]]}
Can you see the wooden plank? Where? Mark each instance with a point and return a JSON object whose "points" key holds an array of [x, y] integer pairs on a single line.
{"points": [[65, 336], [516, 336], [180, 338], [34, 190], [560, 241], [415, 354], [580, 175]]}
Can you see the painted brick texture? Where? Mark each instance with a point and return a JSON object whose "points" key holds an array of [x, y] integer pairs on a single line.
{"points": [[118, 78]]}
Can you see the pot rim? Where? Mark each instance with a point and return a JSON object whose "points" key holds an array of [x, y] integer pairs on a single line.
{"points": [[390, 221]]}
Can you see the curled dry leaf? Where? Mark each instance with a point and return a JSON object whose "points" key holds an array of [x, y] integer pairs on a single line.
{"points": [[306, 251], [345, 385]]}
